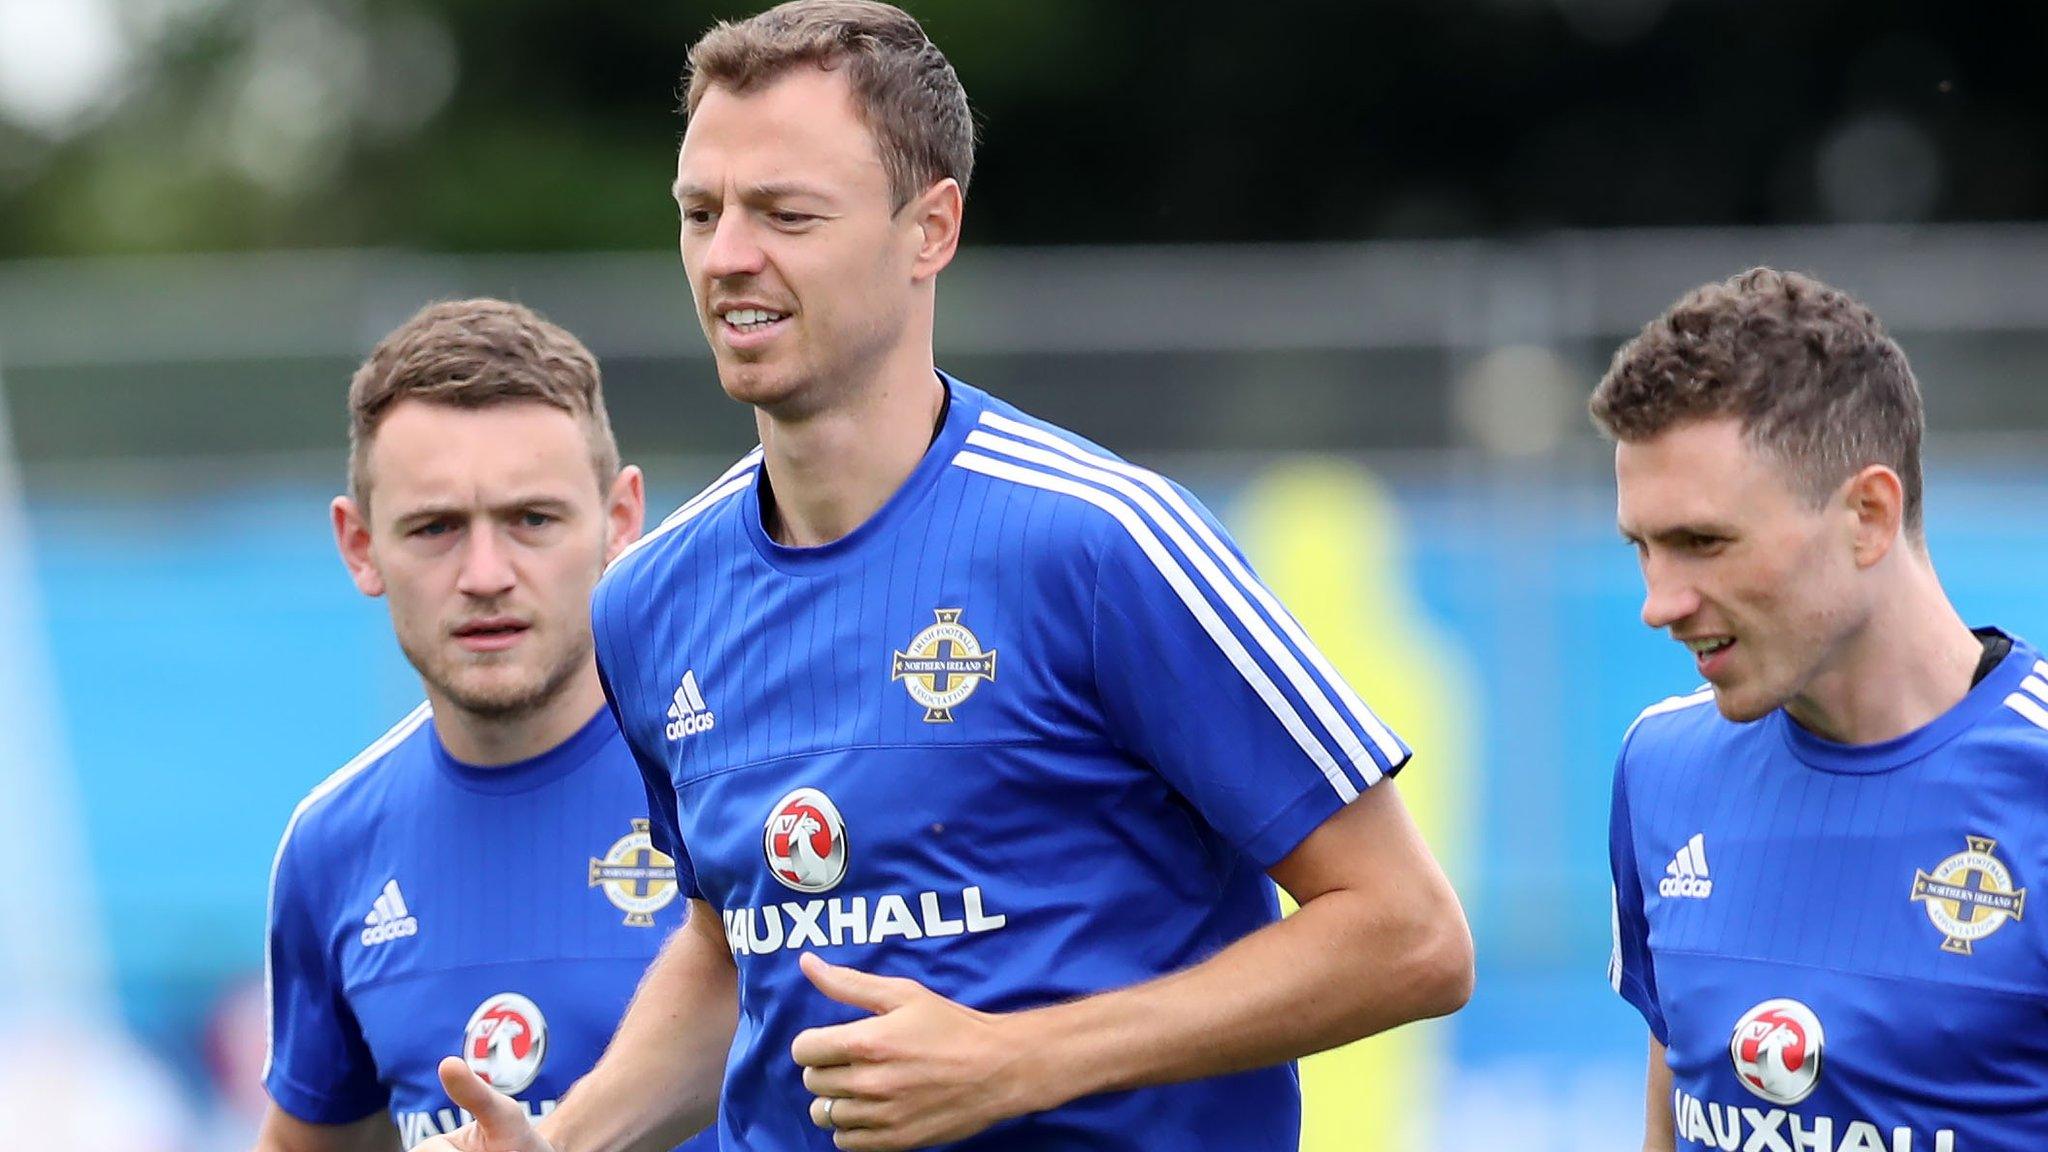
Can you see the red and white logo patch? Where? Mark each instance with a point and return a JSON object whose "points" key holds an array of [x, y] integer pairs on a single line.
{"points": [[1777, 1049], [505, 1041], [805, 841]]}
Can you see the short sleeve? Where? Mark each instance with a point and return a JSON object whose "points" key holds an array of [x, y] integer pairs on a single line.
{"points": [[1630, 970], [664, 827], [320, 1069], [1207, 677]]}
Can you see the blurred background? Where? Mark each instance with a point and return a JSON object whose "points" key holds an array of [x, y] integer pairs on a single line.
{"points": [[1347, 268]]}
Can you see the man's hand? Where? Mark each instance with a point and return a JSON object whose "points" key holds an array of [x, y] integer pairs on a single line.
{"points": [[500, 1125], [921, 1071]]}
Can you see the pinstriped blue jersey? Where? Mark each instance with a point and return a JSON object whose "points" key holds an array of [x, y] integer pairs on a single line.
{"points": [[421, 907], [1033, 731], [1839, 945]]}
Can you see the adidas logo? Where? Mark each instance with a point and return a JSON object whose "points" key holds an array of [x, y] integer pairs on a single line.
{"points": [[1686, 875], [389, 918], [689, 715]]}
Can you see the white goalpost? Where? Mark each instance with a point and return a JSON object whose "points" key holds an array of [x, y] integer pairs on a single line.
{"points": [[54, 965]]}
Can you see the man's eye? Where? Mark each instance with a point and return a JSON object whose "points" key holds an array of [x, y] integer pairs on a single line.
{"points": [[536, 519]]}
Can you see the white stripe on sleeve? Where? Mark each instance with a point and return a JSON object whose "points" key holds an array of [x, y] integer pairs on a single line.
{"points": [[1192, 598], [1305, 685], [735, 479], [1614, 923], [2027, 706], [2037, 686], [321, 791], [1390, 748]]}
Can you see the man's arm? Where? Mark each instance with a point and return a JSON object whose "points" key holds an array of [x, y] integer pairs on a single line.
{"points": [[657, 1083], [284, 1132], [1660, 1127], [1380, 940]]}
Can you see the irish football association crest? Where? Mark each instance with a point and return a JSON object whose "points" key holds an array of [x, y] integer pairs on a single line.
{"points": [[637, 878], [943, 667], [1969, 895]]}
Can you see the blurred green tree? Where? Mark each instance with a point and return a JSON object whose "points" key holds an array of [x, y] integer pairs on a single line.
{"points": [[466, 125]]}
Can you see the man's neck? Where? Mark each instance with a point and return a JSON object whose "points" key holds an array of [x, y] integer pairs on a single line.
{"points": [[495, 741], [1913, 661], [831, 470]]}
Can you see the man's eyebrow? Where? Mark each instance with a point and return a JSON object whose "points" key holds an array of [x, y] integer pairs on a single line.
{"points": [[438, 509], [434, 510], [772, 190], [1673, 533]]}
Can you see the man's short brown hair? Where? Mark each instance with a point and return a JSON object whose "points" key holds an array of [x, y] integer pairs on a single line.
{"points": [[477, 354], [1808, 369], [903, 88]]}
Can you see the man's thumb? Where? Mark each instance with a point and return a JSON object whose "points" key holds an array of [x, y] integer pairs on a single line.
{"points": [[860, 989], [498, 1116]]}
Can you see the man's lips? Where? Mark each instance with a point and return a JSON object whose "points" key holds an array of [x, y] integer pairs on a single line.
{"points": [[494, 634], [1710, 653], [747, 325]]}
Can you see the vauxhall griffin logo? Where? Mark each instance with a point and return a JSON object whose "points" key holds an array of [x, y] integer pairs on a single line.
{"points": [[805, 841], [505, 1041], [1776, 1049], [805, 847]]}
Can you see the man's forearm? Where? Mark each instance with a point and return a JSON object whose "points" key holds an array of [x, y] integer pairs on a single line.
{"points": [[1379, 941], [1332, 972], [658, 1081]]}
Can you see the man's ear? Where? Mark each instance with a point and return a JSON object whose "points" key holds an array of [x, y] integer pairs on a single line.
{"points": [[1877, 500], [938, 216], [625, 511], [352, 540]]}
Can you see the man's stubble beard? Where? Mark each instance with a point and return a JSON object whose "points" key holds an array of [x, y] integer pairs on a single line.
{"points": [[816, 377], [502, 702]]}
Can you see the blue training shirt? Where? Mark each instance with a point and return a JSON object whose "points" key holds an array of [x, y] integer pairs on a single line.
{"points": [[1835, 943], [421, 907], [1032, 731]]}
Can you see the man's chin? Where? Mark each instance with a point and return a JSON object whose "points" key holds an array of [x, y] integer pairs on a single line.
{"points": [[757, 382], [506, 702], [492, 691], [1742, 707]]}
